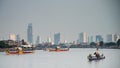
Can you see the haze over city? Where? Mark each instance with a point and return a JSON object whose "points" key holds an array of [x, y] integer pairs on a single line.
{"points": [[69, 17]]}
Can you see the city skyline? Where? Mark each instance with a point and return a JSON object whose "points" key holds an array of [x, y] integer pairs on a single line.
{"points": [[82, 38], [65, 16]]}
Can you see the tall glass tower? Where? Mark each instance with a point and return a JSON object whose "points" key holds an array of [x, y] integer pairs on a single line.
{"points": [[30, 33], [57, 38], [38, 40]]}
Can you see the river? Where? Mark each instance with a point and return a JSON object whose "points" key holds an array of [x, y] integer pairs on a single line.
{"points": [[74, 58]]}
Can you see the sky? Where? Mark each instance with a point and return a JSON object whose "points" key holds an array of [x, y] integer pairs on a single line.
{"points": [[69, 17]]}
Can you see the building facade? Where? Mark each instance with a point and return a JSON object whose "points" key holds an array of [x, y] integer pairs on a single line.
{"points": [[99, 38], [110, 38], [12, 37], [30, 33], [38, 40], [83, 37], [17, 37], [116, 37], [90, 39], [57, 38]]}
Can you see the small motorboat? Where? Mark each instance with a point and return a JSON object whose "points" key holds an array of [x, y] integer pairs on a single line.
{"points": [[90, 57]]}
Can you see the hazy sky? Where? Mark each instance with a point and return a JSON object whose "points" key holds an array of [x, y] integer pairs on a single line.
{"points": [[69, 17]]}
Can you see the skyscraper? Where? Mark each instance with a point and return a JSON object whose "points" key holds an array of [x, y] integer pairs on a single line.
{"points": [[18, 37], [57, 38], [90, 39], [49, 40], [110, 38], [38, 39], [116, 37], [30, 33], [83, 37], [99, 38], [12, 37]]}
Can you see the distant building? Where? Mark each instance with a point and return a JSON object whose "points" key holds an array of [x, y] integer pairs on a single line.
{"points": [[99, 38], [30, 33], [83, 37], [18, 37], [78, 41], [57, 38], [12, 37], [49, 40], [38, 40], [65, 41], [90, 39], [110, 38], [116, 37]]}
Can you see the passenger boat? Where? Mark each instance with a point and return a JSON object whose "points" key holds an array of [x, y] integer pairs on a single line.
{"points": [[90, 57]]}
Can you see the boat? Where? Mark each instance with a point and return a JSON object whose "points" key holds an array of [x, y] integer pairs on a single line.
{"points": [[19, 51], [58, 49], [16, 52], [90, 57]]}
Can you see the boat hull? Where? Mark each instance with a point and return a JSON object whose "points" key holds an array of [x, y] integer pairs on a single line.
{"points": [[95, 58], [15, 52], [58, 50]]}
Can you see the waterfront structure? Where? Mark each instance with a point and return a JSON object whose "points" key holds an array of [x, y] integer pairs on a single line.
{"points": [[83, 37], [30, 33], [57, 38], [12, 36], [99, 38]]}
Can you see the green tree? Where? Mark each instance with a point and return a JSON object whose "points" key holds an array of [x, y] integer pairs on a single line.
{"points": [[3, 45], [101, 43], [93, 43]]}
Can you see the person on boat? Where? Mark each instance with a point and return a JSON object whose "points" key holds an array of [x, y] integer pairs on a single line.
{"points": [[19, 50], [57, 48], [97, 53], [7, 51]]}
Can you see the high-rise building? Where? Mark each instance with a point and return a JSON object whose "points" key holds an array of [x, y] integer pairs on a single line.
{"points": [[99, 38], [83, 37], [116, 37], [90, 39], [49, 40], [12, 37], [110, 38], [57, 38], [18, 37], [38, 40], [30, 33]]}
